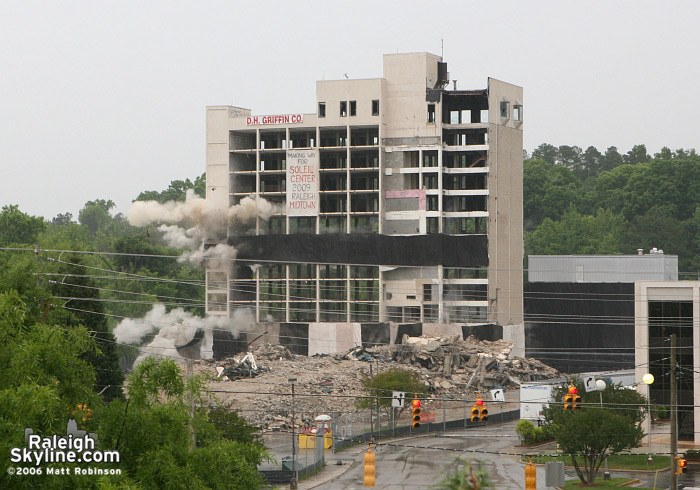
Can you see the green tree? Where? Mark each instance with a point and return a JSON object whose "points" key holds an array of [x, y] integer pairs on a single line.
{"points": [[590, 163], [545, 152], [638, 154], [381, 387], [80, 304], [596, 430], [577, 234], [176, 191], [152, 430], [96, 215], [548, 191], [62, 219], [43, 381], [463, 476], [570, 157], [612, 159], [19, 228]]}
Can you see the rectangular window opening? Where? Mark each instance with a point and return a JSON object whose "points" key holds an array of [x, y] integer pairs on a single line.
{"points": [[375, 107], [427, 292], [505, 109], [431, 113], [353, 108], [321, 109], [343, 109], [518, 112]]}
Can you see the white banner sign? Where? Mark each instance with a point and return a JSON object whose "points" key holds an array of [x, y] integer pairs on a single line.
{"points": [[302, 183]]}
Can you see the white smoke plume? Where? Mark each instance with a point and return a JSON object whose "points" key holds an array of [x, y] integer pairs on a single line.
{"points": [[178, 327], [194, 222]]}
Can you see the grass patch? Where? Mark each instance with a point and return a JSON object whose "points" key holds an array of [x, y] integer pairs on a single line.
{"points": [[600, 483], [615, 461]]}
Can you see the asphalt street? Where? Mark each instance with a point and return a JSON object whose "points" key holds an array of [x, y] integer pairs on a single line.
{"points": [[411, 463]]}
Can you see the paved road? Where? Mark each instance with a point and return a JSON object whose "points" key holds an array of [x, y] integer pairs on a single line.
{"points": [[404, 466], [401, 467]]}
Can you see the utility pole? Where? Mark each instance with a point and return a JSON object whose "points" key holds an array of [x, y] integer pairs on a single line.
{"points": [[674, 418], [193, 433], [293, 483], [376, 399], [371, 410]]}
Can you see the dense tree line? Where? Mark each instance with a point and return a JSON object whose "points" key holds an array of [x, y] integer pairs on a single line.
{"points": [[60, 297], [84, 286], [588, 202]]}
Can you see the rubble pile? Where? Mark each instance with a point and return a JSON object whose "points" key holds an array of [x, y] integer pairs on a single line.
{"points": [[257, 383]]}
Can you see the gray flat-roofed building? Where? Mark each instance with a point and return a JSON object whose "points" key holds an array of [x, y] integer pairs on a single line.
{"points": [[654, 266]]}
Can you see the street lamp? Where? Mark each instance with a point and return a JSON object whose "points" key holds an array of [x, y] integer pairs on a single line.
{"points": [[648, 379], [293, 483], [600, 386]]}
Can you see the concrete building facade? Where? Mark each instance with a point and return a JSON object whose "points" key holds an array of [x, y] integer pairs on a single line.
{"points": [[398, 200], [662, 309]]}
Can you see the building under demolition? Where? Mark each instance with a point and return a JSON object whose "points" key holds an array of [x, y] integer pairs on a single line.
{"points": [[399, 201]]}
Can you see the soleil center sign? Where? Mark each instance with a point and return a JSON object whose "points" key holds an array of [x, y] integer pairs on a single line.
{"points": [[302, 183]]}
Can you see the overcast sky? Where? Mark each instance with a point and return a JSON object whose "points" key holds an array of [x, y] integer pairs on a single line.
{"points": [[103, 100]]}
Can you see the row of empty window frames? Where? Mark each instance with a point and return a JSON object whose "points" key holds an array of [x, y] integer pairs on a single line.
{"points": [[465, 273], [450, 182], [325, 271], [277, 140], [449, 159], [456, 226], [360, 290], [456, 314], [468, 116], [345, 105], [276, 225]]}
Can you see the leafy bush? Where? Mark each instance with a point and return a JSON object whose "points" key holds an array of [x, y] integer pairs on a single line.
{"points": [[529, 434], [526, 430], [382, 386], [662, 412]]}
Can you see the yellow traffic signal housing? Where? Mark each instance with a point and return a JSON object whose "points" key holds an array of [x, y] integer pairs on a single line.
{"points": [[568, 402], [475, 413], [484, 414], [530, 477], [576, 400], [572, 399], [682, 466], [370, 469], [415, 414]]}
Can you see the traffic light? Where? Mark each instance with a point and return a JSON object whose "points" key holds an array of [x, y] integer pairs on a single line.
{"points": [[415, 413], [483, 411], [572, 399], [479, 411], [682, 466], [568, 402], [475, 413], [370, 468], [530, 477]]}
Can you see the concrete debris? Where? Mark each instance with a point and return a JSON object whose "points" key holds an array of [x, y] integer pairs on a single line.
{"points": [[271, 352], [240, 367], [450, 367]]}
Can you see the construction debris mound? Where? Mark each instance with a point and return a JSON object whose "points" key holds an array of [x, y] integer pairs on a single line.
{"points": [[257, 383]]}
